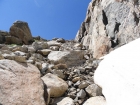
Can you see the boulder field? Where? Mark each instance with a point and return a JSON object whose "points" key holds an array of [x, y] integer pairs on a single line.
{"points": [[46, 72], [99, 67]]}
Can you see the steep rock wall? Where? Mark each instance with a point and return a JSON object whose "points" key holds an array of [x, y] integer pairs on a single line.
{"points": [[109, 24]]}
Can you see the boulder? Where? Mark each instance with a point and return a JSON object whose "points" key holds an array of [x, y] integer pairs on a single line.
{"points": [[98, 100], [21, 59], [118, 75], [56, 87], [59, 73], [83, 85], [20, 48], [81, 94], [44, 52], [63, 101], [60, 66], [12, 40], [17, 56], [53, 43], [70, 58], [5, 52], [2, 36], [1, 57], [54, 48], [75, 79], [40, 45], [44, 68], [24, 48], [37, 56], [10, 56], [19, 53], [6, 48], [4, 33], [20, 84], [61, 40], [36, 37], [30, 61], [38, 65], [31, 49], [94, 90], [21, 30]]}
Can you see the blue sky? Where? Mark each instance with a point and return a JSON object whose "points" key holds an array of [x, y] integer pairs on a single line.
{"points": [[47, 18]]}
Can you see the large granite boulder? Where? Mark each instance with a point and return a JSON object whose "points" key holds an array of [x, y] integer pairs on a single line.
{"points": [[53, 43], [44, 52], [20, 84], [109, 24], [119, 75], [21, 30], [70, 58], [98, 100], [63, 101], [40, 45]]}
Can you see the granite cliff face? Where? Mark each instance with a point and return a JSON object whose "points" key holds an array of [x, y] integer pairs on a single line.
{"points": [[109, 24]]}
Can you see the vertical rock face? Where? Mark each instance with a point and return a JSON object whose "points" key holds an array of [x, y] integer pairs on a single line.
{"points": [[21, 30], [108, 24]]}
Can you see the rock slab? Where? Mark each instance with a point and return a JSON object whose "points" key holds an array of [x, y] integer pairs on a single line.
{"points": [[70, 58], [20, 84]]}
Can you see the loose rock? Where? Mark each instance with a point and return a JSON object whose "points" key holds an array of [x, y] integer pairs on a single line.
{"points": [[99, 100], [56, 86]]}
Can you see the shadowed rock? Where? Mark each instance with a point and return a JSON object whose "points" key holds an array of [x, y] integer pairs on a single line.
{"points": [[21, 30]]}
